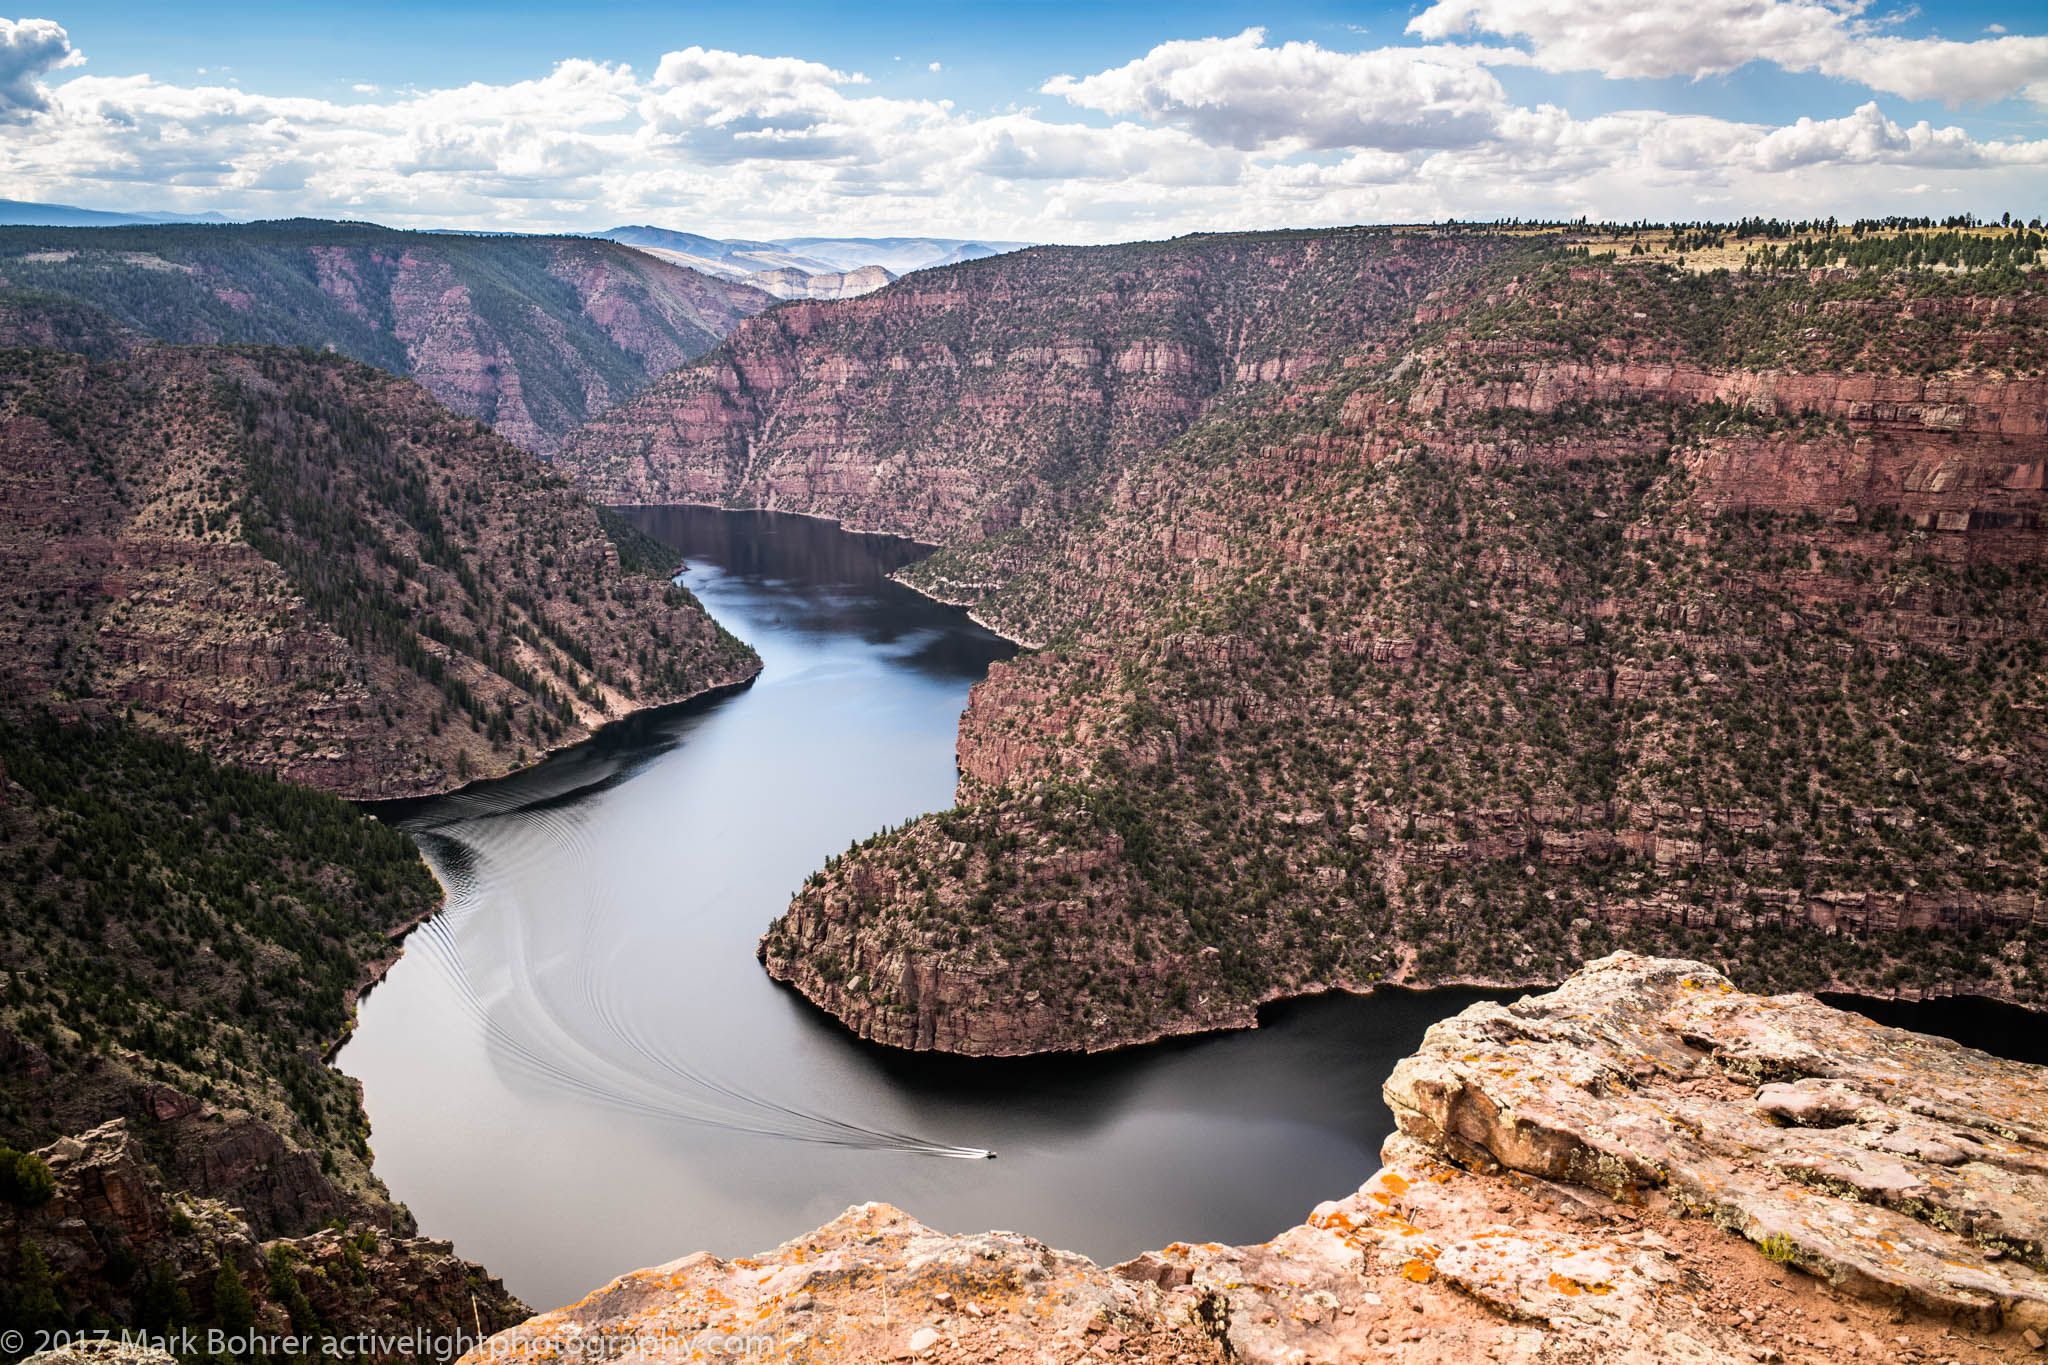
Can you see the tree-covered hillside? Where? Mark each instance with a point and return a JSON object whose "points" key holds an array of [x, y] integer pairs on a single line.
{"points": [[1594, 600], [316, 570], [531, 334], [184, 941]]}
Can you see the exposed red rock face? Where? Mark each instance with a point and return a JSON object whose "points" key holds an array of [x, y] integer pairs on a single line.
{"points": [[1475, 650], [315, 569], [531, 334], [522, 368], [964, 402], [1645, 1165], [111, 1202], [1953, 453]]}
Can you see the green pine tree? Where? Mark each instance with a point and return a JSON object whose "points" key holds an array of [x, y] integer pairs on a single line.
{"points": [[232, 1306]]}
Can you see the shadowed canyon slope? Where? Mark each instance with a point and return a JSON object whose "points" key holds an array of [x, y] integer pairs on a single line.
{"points": [[314, 569], [1644, 1165], [531, 334], [1532, 603]]}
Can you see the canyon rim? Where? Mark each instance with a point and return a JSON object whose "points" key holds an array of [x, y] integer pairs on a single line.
{"points": [[1367, 645]]}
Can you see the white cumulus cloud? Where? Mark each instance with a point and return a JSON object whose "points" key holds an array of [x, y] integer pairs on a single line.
{"points": [[1222, 133], [1867, 137], [1241, 93], [1624, 39], [30, 49]]}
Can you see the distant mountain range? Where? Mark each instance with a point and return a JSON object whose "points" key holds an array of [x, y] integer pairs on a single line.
{"points": [[786, 268], [900, 254], [806, 267], [23, 213]]}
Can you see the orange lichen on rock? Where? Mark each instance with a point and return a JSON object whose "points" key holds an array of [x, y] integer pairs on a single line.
{"points": [[1532, 1265]]}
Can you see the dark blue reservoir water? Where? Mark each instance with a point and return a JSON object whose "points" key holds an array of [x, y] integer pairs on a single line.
{"points": [[579, 1068]]}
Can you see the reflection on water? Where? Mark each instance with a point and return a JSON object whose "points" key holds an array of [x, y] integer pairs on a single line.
{"points": [[579, 1068]]}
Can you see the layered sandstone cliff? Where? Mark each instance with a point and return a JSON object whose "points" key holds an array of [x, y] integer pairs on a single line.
{"points": [[316, 570], [963, 402], [1643, 1165], [1487, 646]]}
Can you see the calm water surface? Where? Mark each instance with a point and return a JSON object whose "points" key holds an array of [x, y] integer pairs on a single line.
{"points": [[579, 1068], [1992, 1026]]}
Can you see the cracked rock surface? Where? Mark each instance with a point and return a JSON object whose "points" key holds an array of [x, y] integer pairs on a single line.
{"points": [[1642, 1165], [1889, 1163]]}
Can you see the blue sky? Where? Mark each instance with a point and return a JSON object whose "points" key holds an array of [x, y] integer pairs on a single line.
{"points": [[952, 118], [990, 53]]}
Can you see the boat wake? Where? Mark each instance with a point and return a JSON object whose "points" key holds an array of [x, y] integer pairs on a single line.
{"points": [[545, 1001]]}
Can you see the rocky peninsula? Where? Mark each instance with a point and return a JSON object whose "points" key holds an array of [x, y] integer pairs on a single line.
{"points": [[1420, 606]]}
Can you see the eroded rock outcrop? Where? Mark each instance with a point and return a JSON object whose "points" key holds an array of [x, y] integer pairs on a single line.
{"points": [[1889, 1163], [114, 1240], [1563, 1188]]}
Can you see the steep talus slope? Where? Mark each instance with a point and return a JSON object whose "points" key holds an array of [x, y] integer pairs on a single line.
{"points": [[967, 401], [184, 940], [1644, 1165], [312, 568], [1568, 619], [531, 334]]}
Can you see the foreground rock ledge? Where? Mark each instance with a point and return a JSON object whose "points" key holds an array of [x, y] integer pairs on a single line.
{"points": [[1642, 1165]]}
